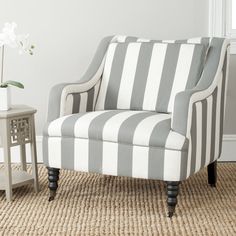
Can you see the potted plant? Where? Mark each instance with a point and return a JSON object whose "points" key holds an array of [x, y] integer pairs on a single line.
{"points": [[8, 38]]}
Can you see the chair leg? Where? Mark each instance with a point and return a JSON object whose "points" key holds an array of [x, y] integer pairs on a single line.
{"points": [[53, 177], [172, 193], [212, 174]]}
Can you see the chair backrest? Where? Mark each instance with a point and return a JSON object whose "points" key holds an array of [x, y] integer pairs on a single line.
{"points": [[142, 74]]}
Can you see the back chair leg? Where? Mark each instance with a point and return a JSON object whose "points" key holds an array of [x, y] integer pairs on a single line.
{"points": [[212, 174], [53, 177], [172, 193]]}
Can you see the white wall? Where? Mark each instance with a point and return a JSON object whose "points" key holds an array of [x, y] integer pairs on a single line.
{"points": [[66, 34]]}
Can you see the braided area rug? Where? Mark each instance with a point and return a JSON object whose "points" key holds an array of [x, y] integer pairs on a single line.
{"points": [[91, 204]]}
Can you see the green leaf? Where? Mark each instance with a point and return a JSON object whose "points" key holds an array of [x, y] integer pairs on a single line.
{"points": [[13, 83]]}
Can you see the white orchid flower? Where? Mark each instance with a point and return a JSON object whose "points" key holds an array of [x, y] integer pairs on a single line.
{"points": [[9, 38]]}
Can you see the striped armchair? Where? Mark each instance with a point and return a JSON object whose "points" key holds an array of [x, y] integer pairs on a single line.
{"points": [[150, 109]]}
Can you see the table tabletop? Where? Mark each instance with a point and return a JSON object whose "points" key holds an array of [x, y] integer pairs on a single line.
{"points": [[17, 110]]}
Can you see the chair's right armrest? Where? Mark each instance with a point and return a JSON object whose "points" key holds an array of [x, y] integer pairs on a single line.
{"points": [[67, 98]]}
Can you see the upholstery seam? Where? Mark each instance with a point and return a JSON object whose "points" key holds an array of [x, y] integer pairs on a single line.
{"points": [[131, 144]]}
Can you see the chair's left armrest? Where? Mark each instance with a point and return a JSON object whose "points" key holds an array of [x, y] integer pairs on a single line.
{"points": [[213, 80], [197, 103]]}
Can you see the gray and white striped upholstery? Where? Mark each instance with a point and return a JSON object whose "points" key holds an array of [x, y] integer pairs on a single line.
{"points": [[81, 102], [148, 75], [136, 140], [116, 142]]}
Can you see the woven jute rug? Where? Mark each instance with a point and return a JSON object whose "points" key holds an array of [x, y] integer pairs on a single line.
{"points": [[90, 204]]}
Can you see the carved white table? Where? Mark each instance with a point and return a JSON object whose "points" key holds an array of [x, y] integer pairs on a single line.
{"points": [[17, 128]]}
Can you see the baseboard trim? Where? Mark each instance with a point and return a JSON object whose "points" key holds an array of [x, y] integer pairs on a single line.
{"points": [[228, 150]]}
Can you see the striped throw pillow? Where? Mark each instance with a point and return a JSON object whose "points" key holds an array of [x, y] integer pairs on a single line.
{"points": [[148, 75]]}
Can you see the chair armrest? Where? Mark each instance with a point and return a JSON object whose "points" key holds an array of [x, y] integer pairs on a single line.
{"points": [[214, 77], [72, 98], [80, 96], [192, 105], [183, 108]]}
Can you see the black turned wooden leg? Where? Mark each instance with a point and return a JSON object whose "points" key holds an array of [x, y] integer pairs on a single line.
{"points": [[212, 174], [53, 177], [172, 193]]}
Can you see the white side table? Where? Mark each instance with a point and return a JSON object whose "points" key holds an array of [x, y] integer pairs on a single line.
{"points": [[17, 128]]}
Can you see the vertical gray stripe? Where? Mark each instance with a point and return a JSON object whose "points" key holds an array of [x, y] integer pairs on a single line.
{"points": [[213, 124], [95, 130], [95, 147], [95, 156], [204, 132], [76, 102], [167, 79], [90, 100], [115, 76], [67, 153], [125, 152], [45, 151], [205, 42], [160, 133], [67, 127], [125, 160], [196, 66], [141, 75], [194, 139], [156, 163], [67, 144], [127, 129]]}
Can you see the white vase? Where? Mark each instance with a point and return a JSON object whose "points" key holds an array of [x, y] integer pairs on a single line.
{"points": [[5, 99]]}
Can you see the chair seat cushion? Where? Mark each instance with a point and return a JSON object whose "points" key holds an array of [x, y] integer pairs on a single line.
{"points": [[140, 128]]}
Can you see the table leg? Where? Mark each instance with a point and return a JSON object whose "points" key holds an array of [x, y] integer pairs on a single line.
{"points": [[23, 157], [34, 157], [8, 173], [7, 160]]}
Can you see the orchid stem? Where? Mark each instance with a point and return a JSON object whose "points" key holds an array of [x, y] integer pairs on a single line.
{"points": [[2, 64]]}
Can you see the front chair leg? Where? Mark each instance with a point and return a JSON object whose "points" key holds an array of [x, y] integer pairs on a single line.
{"points": [[212, 173], [172, 193], [53, 177]]}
